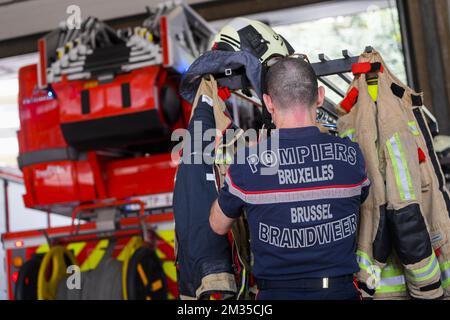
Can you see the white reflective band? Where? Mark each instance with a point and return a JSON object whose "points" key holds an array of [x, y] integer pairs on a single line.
{"points": [[413, 127], [430, 269], [366, 183], [289, 196], [402, 171], [363, 261], [394, 281], [208, 100], [325, 283]]}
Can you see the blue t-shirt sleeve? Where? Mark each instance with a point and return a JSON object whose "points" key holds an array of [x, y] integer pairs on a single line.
{"points": [[230, 203]]}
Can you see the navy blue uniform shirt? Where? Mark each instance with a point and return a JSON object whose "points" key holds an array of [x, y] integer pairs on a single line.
{"points": [[303, 219]]}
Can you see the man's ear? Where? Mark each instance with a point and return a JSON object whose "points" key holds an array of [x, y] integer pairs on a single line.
{"points": [[269, 104], [320, 96]]}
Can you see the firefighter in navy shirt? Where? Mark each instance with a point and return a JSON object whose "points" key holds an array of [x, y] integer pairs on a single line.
{"points": [[301, 195]]}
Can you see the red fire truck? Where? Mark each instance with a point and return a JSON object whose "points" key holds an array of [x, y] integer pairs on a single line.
{"points": [[96, 117]]}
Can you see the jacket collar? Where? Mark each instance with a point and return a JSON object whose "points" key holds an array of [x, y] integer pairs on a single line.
{"points": [[298, 133]]}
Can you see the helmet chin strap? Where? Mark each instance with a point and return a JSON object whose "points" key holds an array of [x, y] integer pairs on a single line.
{"points": [[237, 82], [267, 118]]}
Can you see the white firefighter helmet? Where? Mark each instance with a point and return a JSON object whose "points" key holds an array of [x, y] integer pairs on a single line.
{"points": [[243, 34]]}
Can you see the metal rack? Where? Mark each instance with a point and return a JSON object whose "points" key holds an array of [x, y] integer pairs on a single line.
{"points": [[342, 68]]}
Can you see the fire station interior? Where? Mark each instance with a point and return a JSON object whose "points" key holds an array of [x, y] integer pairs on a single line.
{"points": [[87, 115]]}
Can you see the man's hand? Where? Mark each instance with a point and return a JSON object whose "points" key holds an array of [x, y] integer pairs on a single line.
{"points": [[219, 222]]}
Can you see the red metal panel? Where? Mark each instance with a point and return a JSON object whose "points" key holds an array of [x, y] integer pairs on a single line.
{"points": [[39, 115], [71, 182], [141, 176], [59, 182], [106, 99], [125, 222]]}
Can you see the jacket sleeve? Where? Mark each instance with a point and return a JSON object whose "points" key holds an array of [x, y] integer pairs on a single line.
{"points": [[229, 200], [411, 239]]}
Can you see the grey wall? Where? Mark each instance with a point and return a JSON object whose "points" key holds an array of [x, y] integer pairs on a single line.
{"points": [[30, 17]]}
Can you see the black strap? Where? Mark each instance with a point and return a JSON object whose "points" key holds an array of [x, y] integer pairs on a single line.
{"points": [[233, 79], [304, 284], [397, 90], [376, 67], [252, 40], [126, 95], [416, 100], [85, 102], [365, 288], [431, 287]]}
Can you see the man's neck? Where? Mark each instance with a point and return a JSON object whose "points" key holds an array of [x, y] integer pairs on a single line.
{"points": [[293, 121]]}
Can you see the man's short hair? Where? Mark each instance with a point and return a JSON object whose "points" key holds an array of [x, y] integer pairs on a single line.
{"points": [[292, 82]]}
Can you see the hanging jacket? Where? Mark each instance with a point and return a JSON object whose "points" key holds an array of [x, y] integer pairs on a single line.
{"points": [[204, 259], [204, 264], [360, 125], [435, 196], [404, 225]]}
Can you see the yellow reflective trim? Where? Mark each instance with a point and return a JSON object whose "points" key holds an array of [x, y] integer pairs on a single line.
{"points": [[396, 171], [445, 265], [76, 247], [364, 255], [405, 165], [445, 274], [401, 170], [391, 289], [373, 91], [427, 272], [428, 276], [413, 127], [427, 267], [43, 248], [95, 256], [364, 261], [446, 283], [391, 272], [349, 134]]}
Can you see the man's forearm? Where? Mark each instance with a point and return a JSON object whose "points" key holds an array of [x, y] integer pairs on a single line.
{"points": [[219, 222]]}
